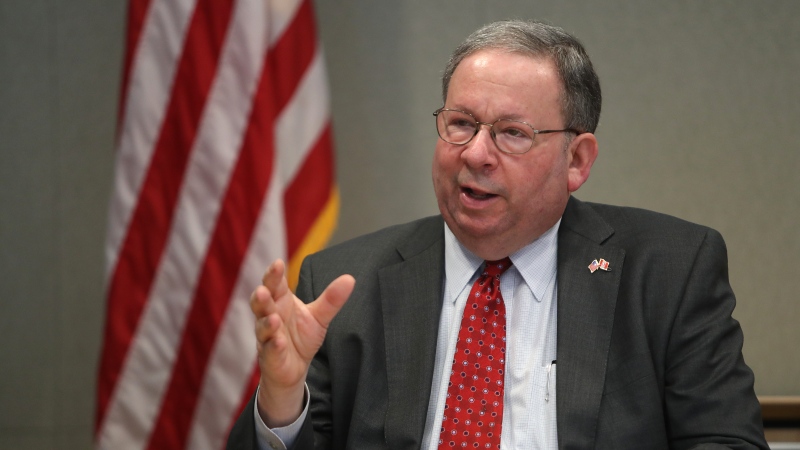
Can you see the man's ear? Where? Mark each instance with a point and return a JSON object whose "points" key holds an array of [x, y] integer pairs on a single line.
{"points": [[581, 154]]}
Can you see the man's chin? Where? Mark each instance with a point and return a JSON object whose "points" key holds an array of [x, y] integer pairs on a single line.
{"points": [[469, 227]]}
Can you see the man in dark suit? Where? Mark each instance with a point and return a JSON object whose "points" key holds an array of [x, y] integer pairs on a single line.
{"points": [[631, 309]]}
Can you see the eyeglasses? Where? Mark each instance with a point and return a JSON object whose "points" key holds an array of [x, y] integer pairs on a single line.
{"points": [[510, 136]]}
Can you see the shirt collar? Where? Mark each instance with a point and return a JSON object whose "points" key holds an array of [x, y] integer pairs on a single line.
{"points": [[536, 262]]}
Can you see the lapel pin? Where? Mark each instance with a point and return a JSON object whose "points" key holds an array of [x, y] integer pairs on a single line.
{"points": [[602, 265]]}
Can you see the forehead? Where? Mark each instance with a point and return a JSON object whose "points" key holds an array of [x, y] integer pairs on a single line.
{"points": [[498, 83]]}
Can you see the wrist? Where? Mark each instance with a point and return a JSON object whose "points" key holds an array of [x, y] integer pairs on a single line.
{"points": [[279, 407]]}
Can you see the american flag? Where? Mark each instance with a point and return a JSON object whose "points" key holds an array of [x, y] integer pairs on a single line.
{"points": [[224, 163]]}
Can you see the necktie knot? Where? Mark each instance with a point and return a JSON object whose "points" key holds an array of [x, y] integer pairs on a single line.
{"points": [[496, 268]]}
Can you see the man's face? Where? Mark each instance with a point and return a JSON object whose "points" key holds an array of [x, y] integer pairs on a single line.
{"points": [[495, 203]]}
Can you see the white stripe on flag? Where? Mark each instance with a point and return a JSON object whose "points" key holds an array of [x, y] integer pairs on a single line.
{"points": [[303, 119], [146, 373], [152, 73]]}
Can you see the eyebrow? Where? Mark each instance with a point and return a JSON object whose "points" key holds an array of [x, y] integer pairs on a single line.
{"points": [[516, 117]]}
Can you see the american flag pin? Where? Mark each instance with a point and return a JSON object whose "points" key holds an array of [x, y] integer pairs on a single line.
{"points": [[604, 265], [594, 266]]}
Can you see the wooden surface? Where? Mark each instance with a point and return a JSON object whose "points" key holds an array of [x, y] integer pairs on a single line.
{"points": [[781, 415], [780, 408]]}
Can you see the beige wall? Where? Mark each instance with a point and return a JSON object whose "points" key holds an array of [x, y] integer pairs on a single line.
{"points": [[701, 110]]}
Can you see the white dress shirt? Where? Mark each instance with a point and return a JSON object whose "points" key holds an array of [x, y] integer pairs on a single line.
{"points": [[529, 292]]}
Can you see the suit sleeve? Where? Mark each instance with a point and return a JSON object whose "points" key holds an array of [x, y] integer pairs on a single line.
{"points": [[243, 433], [244, 436], [709, 396]]}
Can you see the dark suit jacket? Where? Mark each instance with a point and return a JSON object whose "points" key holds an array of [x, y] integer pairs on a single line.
{"points": [[649, 356]]}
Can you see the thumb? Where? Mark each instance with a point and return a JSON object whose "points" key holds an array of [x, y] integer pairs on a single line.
{"points": [[327, 305]]}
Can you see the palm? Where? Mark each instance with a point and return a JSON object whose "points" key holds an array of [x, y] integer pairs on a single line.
{"points": [[296, 345], [289, 332]]}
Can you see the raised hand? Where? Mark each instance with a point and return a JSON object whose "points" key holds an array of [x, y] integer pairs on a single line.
{"points": [[289, 333]]}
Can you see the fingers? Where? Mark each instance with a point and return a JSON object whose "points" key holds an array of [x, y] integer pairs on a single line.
{"points": [[325, 308], [261, 302], [263, 299], [273, 304], [267, 328], [274, 279]]}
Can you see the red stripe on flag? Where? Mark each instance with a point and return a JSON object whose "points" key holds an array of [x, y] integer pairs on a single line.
{"points": [[150, 224], [283, 70], [308, 193], [137, 11]]}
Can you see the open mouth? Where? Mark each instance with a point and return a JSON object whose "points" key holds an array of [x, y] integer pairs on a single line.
{"points": [[476, 194]]}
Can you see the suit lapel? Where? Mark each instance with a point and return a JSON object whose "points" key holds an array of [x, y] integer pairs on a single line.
{"points": [[586, 303], [411, 297]]}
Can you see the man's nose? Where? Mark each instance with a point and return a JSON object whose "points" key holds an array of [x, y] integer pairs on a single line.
{"points": [[481, 150]]}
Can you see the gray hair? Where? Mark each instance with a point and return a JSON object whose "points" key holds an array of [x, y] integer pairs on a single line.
{"points": [[580, 100]]}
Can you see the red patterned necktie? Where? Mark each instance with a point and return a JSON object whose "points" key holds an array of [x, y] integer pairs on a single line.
{"points": [[473, 413]]}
